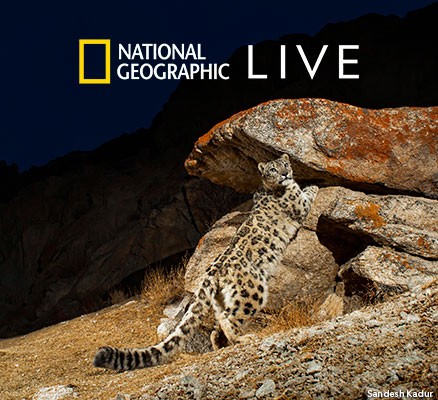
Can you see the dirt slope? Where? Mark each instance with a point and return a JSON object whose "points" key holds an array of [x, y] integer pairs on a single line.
{"points": [[391, 346]]}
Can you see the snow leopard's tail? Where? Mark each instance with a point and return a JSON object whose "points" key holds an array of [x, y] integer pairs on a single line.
{"points": [[129, 359]]}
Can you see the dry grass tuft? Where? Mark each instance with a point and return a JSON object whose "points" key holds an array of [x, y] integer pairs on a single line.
{"points": [[291, 315], [119, 296], [161, 288]]}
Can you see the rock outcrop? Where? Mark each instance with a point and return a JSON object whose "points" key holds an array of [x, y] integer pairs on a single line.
{"points": [[329, 142], [308, 269], [390, 270], [382, 244], [402, 222]]}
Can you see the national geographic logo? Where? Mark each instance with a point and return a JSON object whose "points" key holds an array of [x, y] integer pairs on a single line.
{"points": [[170, 61], [146, 61], [106, 79]]}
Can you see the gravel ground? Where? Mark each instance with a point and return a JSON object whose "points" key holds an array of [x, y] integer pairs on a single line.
{"points": [[388, 347], [391, 346]]}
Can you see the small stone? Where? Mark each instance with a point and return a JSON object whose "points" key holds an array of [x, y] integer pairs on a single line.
{"points": [[247, 394], [267, 388], [307, 357], [372, 323], [409, 317], [162, 395], [392, 377], [175, 311], [241, 374], [319, 387], [353, 341], [122, 397], [192, 386], [314, 367], [55, 393], [166, 326]]}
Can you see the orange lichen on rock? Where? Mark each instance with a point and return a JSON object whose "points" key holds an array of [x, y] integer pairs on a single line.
{"points": [[200, 242], [386, 148], [336, 167], [205, 139], [422, 242], [398, 259], [287, 112], [370, 213]]}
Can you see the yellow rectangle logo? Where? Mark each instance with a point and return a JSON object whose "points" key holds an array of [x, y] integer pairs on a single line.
{"points": [[107, 43]]}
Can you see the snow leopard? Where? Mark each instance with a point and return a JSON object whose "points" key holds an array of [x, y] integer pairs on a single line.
{"points": [[235, 286]]}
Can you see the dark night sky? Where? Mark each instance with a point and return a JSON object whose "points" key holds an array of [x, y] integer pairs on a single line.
{"points": [[48, 113]]}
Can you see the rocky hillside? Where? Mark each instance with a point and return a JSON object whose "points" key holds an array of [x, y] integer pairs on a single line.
{"points": [[366, 262], [73, 230], [391, 346], [364, 266]]}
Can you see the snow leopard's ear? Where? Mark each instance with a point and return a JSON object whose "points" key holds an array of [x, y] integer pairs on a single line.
{"points": [[261, 167], [285, 156]]}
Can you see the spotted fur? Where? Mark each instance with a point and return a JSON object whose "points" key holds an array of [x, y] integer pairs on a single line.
{"points": [[236, 283]]}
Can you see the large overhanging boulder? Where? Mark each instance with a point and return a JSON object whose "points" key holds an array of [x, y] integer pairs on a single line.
{"points": [[382, 151]]}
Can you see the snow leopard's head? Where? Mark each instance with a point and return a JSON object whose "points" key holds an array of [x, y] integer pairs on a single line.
{"points": [[276, 174]]}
